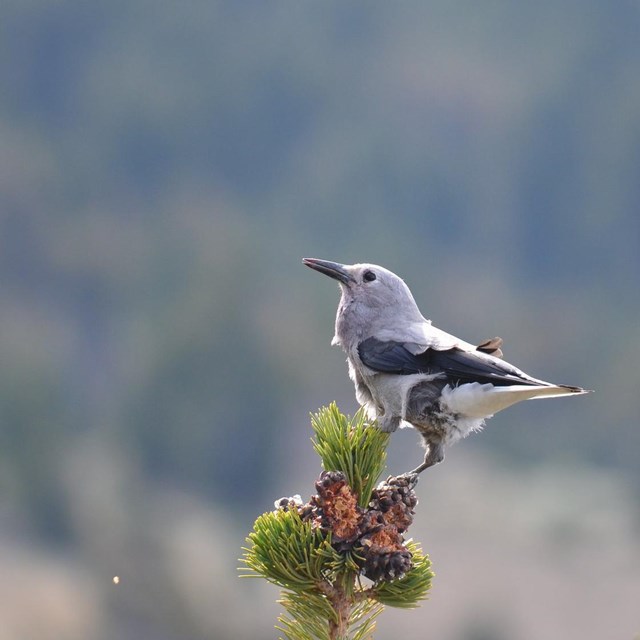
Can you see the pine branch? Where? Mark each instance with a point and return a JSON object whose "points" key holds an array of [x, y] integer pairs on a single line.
{"points": [[319, 551], [350, 446]]}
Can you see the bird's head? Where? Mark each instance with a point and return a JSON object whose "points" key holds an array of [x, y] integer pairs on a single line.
{"points": [[372, 296]]}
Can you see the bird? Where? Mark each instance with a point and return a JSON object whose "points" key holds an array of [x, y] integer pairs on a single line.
{"points": [[407, 372]]}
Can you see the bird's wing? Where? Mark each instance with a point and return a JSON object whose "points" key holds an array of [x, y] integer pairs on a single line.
{"points": [[419, 336], [493, 347], [456, 363]]}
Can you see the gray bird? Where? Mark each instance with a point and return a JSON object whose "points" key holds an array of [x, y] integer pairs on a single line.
{"points": [[405, 370]]}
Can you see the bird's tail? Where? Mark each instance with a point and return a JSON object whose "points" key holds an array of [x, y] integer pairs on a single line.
{"points": [[482, 400], [557, 391], [509, 395]]}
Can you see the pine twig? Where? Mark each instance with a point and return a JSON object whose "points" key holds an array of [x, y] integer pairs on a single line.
{"points": [[341, 604], [317, 551]]}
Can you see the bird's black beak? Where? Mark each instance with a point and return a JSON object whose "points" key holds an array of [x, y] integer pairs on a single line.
{"points": [[332, 269]]}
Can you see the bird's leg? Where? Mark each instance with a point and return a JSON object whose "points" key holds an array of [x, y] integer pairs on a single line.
{"points": [[434, 455]]}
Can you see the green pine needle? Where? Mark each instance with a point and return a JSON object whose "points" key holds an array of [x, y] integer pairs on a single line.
{"points": [[351, 445], [289, 552], [308, 616], [363, 619]]}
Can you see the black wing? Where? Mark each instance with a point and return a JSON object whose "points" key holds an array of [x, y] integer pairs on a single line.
{"points": [[456, 365]]}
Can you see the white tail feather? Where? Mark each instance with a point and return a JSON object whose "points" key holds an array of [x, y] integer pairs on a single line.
{"points": [[475, 400]]}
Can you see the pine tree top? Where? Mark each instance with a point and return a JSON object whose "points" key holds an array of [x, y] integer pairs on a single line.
{"points": [[341, 556]]}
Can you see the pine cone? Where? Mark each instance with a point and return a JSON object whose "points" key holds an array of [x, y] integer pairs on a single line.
{"points": [[337, 508], [385, 556], [374, 532], [396, 499], [372, 521]]}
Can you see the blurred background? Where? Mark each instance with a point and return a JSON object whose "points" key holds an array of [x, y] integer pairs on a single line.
{"points": [[163, 169]]}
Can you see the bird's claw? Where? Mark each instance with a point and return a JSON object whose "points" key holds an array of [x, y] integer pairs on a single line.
{"points": [[411, 478]]}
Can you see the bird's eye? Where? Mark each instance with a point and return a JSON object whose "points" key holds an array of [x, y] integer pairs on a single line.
{"points": [[369, 276]]}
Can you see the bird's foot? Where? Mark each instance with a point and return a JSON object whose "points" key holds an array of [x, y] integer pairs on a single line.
{"points": [[410, 478]]}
